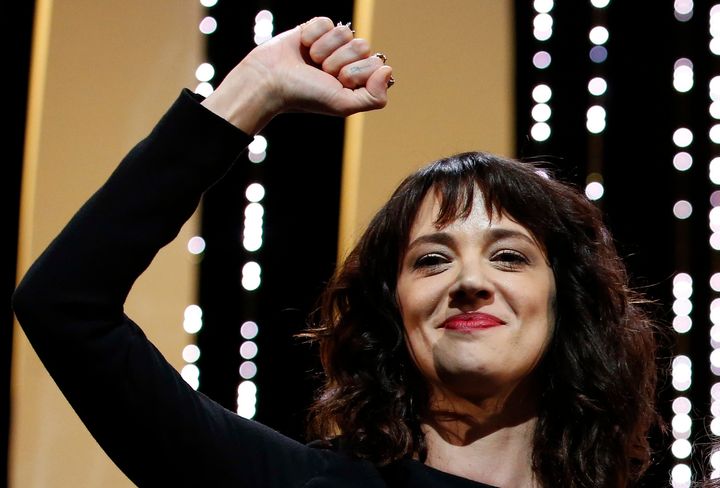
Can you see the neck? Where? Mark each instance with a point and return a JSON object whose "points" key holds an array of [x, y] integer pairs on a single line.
{"points": [[486, 440]]}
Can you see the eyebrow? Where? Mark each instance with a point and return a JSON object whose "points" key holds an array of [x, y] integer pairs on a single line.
{"points": [[494, 233]]}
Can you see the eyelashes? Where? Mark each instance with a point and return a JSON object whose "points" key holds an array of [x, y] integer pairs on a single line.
{"points": [[506, 258]]}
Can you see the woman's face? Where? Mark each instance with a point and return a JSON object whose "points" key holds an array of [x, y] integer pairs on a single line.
{"points": [[476, 299]]}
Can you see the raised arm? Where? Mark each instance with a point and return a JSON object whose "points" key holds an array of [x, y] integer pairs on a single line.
{"points": [[70, 303]]}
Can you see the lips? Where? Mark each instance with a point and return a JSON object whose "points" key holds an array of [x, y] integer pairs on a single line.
{"points": [[468, 322]]}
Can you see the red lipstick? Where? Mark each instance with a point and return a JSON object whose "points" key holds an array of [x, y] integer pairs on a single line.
{"points": [[468, 322]]}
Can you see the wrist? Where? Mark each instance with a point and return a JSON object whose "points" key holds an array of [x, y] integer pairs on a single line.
{"points": [[245, 98]]}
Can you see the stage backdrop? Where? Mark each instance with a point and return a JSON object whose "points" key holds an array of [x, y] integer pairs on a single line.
{"points": [[102, 74]]}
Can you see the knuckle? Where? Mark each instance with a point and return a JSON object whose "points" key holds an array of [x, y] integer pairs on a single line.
{"points": [[360, 46]]}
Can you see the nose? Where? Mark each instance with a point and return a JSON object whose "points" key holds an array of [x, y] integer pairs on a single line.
{"points": [[471, 285]]}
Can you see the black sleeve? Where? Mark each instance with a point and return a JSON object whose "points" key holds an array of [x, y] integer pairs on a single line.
{"points": [[156, 428]]}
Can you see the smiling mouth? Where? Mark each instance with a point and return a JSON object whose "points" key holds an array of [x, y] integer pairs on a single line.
{"points": [[468, 322]]}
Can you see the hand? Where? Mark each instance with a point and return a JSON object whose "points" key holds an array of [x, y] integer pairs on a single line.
{"points": [[315, 67]]}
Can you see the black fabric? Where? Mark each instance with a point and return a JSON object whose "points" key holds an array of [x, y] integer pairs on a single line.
{"points": [[156, 428]]}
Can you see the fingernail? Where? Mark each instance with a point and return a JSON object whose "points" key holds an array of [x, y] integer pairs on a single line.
{"points": [[382, 56], [390, 82]]}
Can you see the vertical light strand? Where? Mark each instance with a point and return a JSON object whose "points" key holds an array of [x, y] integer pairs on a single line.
{"points": [[192, 320], [597, 86], [252, 241], [541, 94], [683, 80], [714, 223]]}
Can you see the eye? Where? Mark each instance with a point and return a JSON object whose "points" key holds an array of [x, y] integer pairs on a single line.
{"points": [[510, 258], [430, 260]]}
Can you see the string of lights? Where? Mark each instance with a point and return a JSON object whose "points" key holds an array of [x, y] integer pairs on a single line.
{"points": [[683, 80], [714, 222], [595, 115], [541, 94], [252, 241]]}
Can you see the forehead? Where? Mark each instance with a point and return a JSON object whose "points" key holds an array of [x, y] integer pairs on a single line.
{"points": [[426, 218]]}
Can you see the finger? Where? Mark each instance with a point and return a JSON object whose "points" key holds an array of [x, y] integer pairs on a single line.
{"points": [[330, 42], [314, 29], [355, 50], [370, 97], [358, 73]]}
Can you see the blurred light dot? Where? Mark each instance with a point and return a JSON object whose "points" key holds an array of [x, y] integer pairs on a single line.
{"points": [[248, 370], [715, 426], [543, 6], [599, 35], [541, 59], [595, 125], [682, 306], [683, 6], [715, 358], [682, 278], [254, 211], [597, 86], [596, 112], [248, 350], [256, 157], [196, 245], [255, 192], [681, 362], [682, 289], [540, 131], [715, 241], [252, 242], [683, 62], [681, 476], [541, 112], [715, 333], [681, 405], [543, 22], [264, 15], [246, 411], [191, 374], [193, 311], [682, 137], [715, 392], [598, 54], [681, 448], [208, 25], [208, 3], [205, 72], [251, 282], [258, 145], [682, 324], [715, 282], [715, 133], [715, 109], [600, 3], [541, 93], [191, 353], [683, 79], [263, 28], [247, 389], [594, 190], [682, 423], [542, 35], [682, 161], [192, 325], [204, 88], [715, 45], [715, 170], [682, 209], [248, 330], [715, 460], [715, 198]]}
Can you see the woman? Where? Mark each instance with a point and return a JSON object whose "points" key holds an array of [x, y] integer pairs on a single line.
{"points": [[480, 334]]}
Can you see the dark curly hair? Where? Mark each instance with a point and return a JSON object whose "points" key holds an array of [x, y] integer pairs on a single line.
{"points": [[598, 376]]}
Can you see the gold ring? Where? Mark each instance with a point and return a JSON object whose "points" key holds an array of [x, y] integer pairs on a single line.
{"points": [[382, 56]]}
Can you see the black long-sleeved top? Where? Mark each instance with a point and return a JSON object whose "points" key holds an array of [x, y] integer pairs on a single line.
{"points": [[154, 426]]}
